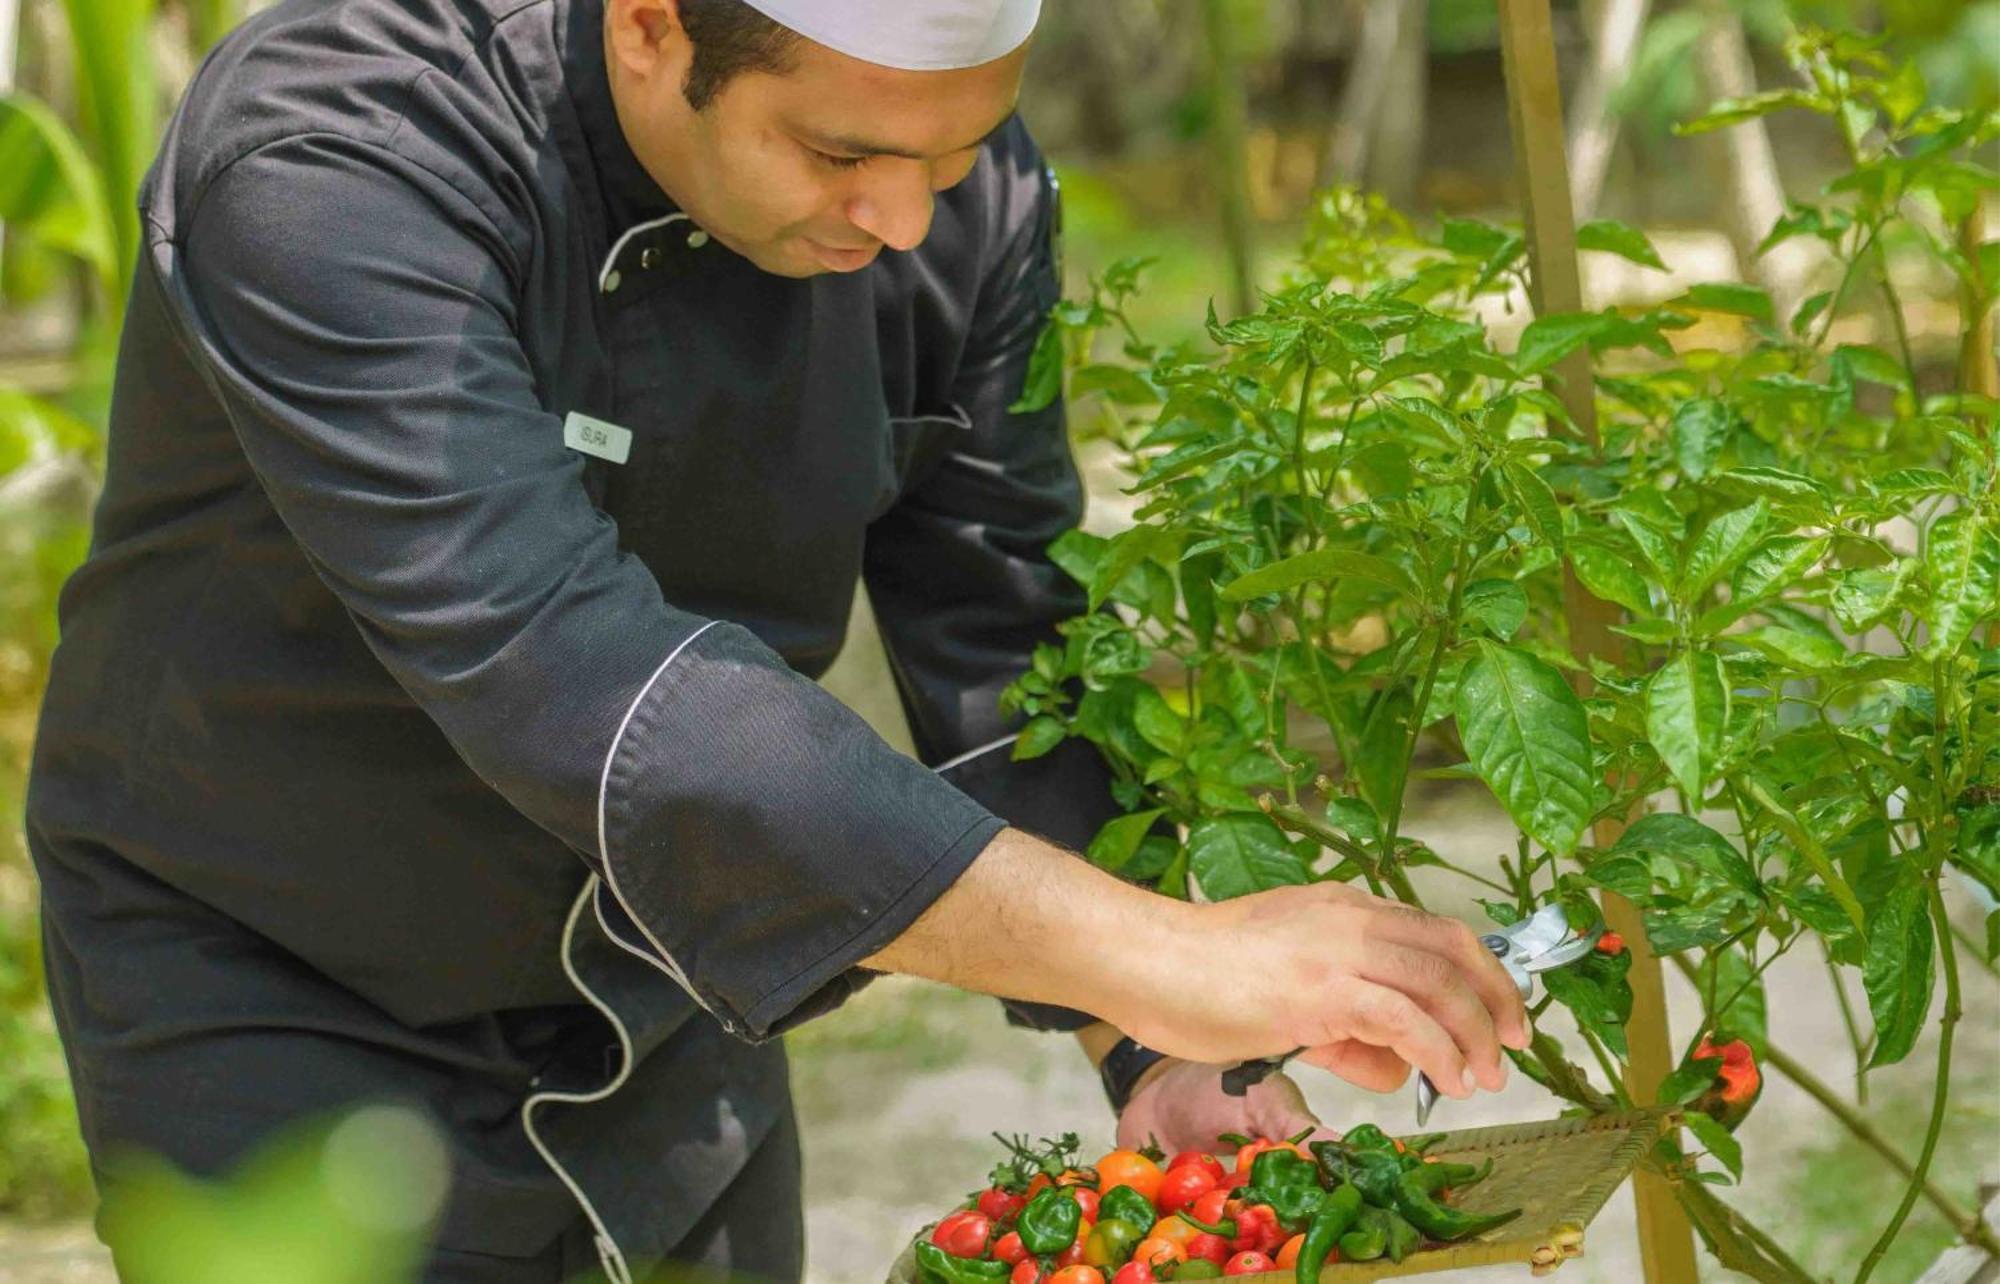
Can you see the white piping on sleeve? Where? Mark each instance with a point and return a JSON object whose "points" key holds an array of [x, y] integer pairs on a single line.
{"points": [[608, 1252], [665, 962], [604, 273], [970, 754]]}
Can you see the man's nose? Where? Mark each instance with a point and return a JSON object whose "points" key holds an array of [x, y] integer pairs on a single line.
{"points": [[897, 210]]}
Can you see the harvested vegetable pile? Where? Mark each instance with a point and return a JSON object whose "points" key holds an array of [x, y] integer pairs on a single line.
{"points": [[1135, 1217]]}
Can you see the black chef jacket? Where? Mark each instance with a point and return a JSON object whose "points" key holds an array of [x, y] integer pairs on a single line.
{"points": [[434, 713]]}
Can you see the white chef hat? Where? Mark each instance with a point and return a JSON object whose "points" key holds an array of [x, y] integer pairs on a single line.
{"points": [[913, 35]]}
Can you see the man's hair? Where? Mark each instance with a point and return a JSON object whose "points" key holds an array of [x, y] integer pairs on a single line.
{"points": [[730, 37]]}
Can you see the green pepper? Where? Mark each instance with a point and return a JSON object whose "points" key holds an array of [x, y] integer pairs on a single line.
{"points": [[1377, 1174], [1336, 1213], [1274, 1169], [1335, 1166], [1048, 1224], [1369, 1238], [1128, 1205], [1404, 1238], [939, 1267], [1294, 1206], [1415, 1199], [1225, 1229], [1459, 1176], [1369, 1137], [1198, 1269]]}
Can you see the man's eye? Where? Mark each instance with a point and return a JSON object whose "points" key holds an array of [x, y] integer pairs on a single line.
{"points": [[839, 162]]}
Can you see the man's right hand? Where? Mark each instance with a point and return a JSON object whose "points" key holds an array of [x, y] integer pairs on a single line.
{"points": [[1369, 987]]}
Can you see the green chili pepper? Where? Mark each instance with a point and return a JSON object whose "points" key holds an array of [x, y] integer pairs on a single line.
{"points": [[1404, 1238], [1128, 1205], [1414, 1199], [1334, 1165], [1423, 1143], [940, 1267], [1377, 1174], [1048, 1224], [1336, 1213], [1279, 1168], [1294, 1206], [1458, 1176], [1197, 1270], [1369, 1137], [1369, 1238]]}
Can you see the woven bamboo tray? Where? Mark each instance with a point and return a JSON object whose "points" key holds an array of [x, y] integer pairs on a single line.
{"points": [[1559, 1173]]}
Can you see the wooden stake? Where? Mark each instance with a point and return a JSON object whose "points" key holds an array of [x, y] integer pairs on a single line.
{"points": [[1534, 105], [1977, 371]]}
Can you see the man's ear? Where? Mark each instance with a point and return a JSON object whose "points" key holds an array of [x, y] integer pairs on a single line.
{"points": [[647, 38]]}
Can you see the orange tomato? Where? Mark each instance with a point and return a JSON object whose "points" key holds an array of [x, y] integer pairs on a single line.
{"points": [[1174, 1231], [1157, 1250], [1130, 1168], [1077, 1275]]}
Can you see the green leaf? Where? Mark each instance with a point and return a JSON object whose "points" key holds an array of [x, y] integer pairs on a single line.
{"points": [[50, 188], [1659, 545], [1043, 382], [1687, 713], [1724, 542], [1774, 564], [1240, 854], [1699, 430], [1497, 606], [1689, 1082], [1601, 1004], [1128, 551], [1807, 651], [1808, 848], [1863, 597], [1734, 111], [1609, 574], [1318, 567], [1079, 553], [1549, 339], [1731, 297], [1962, 562], [1118, 841], [1610, 236], [1037, 738], [1384, 752], [1156, 720], [1721, 1145], [1529, 738], [1898, 973], [1686, 841], [1538, 502], [1775, 483]]}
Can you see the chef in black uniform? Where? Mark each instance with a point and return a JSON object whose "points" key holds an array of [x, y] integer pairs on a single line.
{"points": [[512, 395]]}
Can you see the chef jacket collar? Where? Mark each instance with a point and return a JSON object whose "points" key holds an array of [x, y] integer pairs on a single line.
{"points": [[630, 194]]}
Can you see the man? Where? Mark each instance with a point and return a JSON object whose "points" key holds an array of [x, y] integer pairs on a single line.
{"points": [[512, 394]]}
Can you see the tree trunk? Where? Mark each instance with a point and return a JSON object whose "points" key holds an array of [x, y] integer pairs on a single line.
{"points": [[1593, 128], [1228, 133], [1750, 168], [1396, 152], [1368, 75]]}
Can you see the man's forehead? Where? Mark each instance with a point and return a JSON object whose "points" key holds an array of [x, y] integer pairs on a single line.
{"points": [[911, 35]]}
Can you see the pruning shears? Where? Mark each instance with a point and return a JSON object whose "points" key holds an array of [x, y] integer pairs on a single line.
{"points": [[1541, 942]]}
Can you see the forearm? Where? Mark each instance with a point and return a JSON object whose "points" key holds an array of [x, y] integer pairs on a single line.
{"points": [[1028, 920]]}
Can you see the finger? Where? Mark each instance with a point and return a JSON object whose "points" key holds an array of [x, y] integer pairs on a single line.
{"points": [[1489, 980], [1440, 987], [1388, 1018], [1361, 1064]]}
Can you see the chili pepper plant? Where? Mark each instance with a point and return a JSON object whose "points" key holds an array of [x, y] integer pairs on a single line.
{"points": [[1357, 515]]}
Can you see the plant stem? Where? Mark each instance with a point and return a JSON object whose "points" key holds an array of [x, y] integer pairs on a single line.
{"points": [[1947, 1027], [1610, 1069], [1736, 1242], [1968, 1225], [1299, 454], [1854, 1039]]}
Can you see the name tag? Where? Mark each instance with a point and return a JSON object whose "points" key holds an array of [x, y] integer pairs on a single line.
{"points": [[597, 438]]}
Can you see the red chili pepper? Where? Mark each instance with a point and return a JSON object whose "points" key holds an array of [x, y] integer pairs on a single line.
{"points": [[1611, 943]]}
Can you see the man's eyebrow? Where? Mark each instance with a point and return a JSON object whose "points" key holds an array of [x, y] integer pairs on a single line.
{"points": [[852, 145]]}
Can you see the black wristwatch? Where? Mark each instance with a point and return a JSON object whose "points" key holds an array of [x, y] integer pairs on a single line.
{"points": [[1121, 1068]]}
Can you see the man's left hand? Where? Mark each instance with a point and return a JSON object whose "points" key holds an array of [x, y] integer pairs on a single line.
{"points": [[1180, 1105]]}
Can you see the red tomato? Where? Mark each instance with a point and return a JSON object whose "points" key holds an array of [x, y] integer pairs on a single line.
{"points": [[1182, 1186], [1211, 1208], [1037, 1184], [1208, 1248], [1199, 1158], [964, 1233], [1088, 1199], [1009, 1248], [1157, 1251], [1255, 1226], [1129, 1168], [1026, 1271], [1248, 1264], [999, 1205], [1072, 1256], [1077, 1275], [1134, 1272]]}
